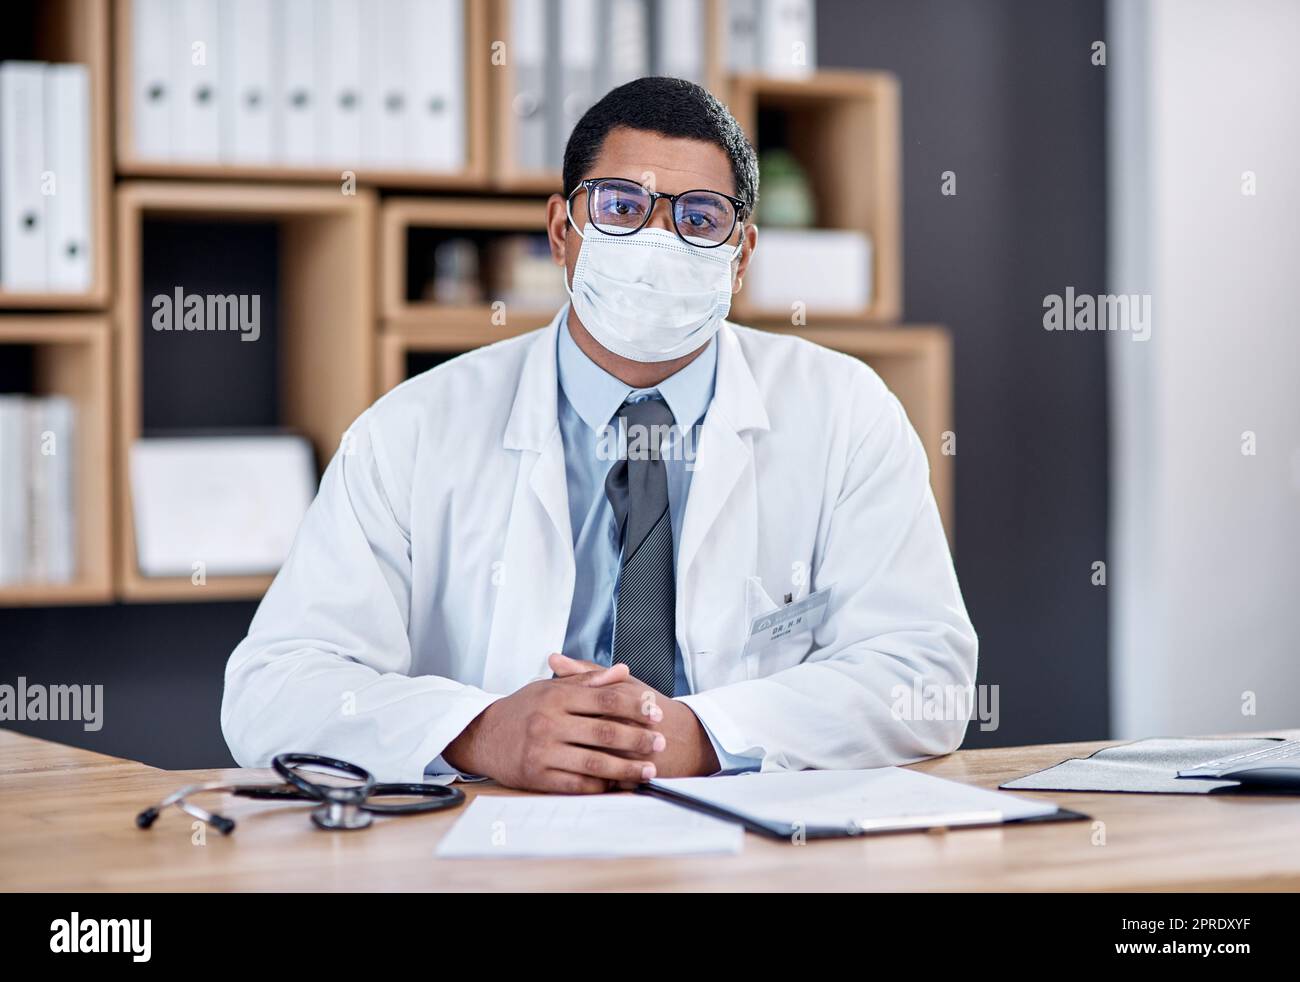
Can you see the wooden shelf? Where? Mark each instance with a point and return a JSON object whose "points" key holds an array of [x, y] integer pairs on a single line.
{"points": [[398, 340], [77, 31], [474, 175], [71, 358], [915, 362], [843, 127], [399, 215], [506, 174], [325, 329]]}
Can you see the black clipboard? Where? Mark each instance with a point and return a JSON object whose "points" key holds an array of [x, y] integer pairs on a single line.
{"points": [[790, 832]]}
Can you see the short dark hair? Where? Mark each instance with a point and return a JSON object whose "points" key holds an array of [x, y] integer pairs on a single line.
{"points": [[670, 107]]}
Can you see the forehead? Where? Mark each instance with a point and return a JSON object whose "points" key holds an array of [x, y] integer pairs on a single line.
{"points": [[667, 163]]}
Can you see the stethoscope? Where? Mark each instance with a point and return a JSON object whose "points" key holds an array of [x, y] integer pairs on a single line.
{"points": [[339, 806]]}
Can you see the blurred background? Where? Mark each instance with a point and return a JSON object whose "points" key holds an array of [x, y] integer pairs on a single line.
{"points": [[1063, 233]]}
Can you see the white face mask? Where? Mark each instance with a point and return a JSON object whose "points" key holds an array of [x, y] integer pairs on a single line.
{"points": [[650, 296]]}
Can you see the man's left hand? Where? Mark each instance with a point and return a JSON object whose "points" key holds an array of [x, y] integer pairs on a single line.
{"points": [[689, 752]]}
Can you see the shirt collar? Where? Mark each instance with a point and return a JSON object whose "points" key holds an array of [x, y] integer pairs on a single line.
{"points": [[596, 395]]}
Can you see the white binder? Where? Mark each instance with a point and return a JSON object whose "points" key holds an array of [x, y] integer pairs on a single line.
{"points": [[51, 545], [742, 35], [340, 78], [151, 78], [14, 497], [22, 163], [787, 37], [297, 118], [579, 26], [195, 47], [679, 38], [626, 42], [384, 113], [528, 104], [436, 75], [67, 159], [247, 93]]}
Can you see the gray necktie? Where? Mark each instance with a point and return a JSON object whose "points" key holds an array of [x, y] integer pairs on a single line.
{"points": [[637, 488]]}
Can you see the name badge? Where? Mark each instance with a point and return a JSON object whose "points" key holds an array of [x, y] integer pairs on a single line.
{"points": [[785, 621]]}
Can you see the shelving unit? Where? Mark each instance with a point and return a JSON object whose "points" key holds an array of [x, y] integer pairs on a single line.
{"points": [[70, 357], [71, 31], [473, 175], [324, 330], [351, 321], [843, 128]]}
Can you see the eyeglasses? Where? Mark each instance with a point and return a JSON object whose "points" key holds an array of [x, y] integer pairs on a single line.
{"points": [[702, 218]]}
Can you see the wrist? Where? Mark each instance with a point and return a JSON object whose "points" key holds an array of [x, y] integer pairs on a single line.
{"points": [[705, 760], [466, 751]]}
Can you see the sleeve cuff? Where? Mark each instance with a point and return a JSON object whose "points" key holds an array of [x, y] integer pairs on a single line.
{"points": [[443, 773], [711, 718]]}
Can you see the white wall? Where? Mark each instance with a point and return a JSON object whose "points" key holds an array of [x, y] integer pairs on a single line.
{"points": [[1205, 542]]}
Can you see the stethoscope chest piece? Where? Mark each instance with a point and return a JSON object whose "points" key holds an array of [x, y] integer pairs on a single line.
{"points": [[340, 816]]}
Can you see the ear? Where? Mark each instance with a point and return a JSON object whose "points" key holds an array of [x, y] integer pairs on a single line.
{"points": [[748, 243], [557, 228]]}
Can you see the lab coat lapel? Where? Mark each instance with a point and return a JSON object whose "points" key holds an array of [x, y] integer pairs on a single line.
{"points": [[536, 579], [718, 547], [725, 449]]}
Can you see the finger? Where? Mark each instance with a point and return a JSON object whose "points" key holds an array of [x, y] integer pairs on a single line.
{"points": [[567, 782], [594, 763], [610, 734], [565, 667], [629, 701]]}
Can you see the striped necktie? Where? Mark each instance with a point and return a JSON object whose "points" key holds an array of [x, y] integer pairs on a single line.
{"points": [[637, 487]]}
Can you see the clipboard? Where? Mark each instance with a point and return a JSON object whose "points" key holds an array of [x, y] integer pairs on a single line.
{"points": [[790, 831]]}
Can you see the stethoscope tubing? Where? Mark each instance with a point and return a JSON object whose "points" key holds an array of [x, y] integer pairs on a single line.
{"points": [[296, 787]]}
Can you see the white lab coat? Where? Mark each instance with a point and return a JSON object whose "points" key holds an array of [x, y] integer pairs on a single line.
{"points": [[434, 571]]}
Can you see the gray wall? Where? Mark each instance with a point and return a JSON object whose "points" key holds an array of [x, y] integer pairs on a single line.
{"points": [[1012, 105], [1004, 94]]}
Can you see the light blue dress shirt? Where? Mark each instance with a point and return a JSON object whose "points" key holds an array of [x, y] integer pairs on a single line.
{"points": [[588, 399]]}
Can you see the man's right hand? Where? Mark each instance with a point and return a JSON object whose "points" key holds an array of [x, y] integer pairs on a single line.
{"points": [[557, 735]]}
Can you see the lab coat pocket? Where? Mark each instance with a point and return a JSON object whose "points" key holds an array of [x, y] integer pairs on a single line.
{"points": [[762, 659]]}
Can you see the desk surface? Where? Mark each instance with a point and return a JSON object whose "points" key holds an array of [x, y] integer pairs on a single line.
{"points": [[66, 823]]}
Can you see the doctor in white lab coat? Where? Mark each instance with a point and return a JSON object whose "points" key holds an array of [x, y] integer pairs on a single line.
{"points": [[447, 609]]}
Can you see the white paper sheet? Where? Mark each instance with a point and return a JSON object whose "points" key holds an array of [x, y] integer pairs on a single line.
{"points": [[884, 797], [586, 826]]}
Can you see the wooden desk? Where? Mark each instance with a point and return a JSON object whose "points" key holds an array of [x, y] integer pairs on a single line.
{"points": [[67, 823]]}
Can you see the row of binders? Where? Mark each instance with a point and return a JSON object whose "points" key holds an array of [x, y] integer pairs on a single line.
{"points": [[772, 37], [300, 83], [45, 213], [37, 513], [568, 53]]}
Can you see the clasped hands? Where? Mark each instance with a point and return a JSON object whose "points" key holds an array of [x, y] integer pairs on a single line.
{"points": [[587, 730]]}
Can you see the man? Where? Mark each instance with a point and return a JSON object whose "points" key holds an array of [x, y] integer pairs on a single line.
{"points": [[564, 561]]}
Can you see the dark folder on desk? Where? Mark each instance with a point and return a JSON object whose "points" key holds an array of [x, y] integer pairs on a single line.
{"points": [[1147, 766], [827, 804]]}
